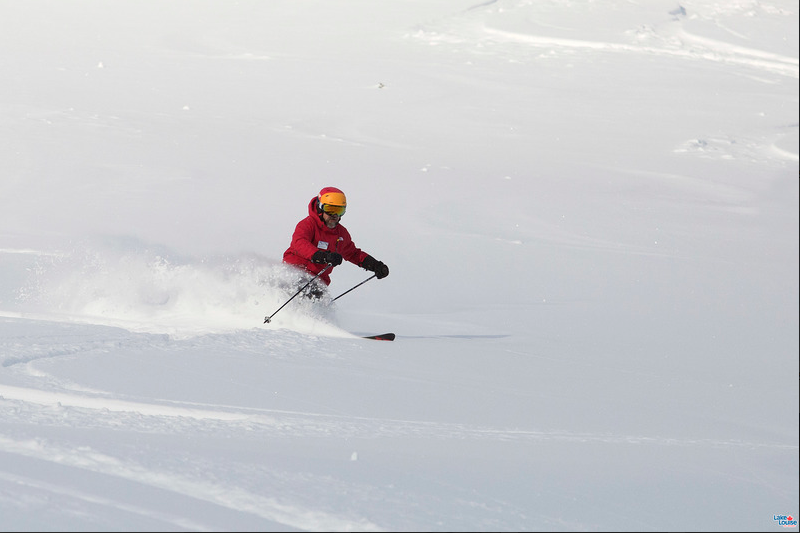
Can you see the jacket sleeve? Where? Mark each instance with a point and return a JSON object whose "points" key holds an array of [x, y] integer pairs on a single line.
{"points": [[350, 252], [303, 239]]}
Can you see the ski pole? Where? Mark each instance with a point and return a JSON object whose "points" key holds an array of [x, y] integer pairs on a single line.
{"points": [[269, 318], [360, 284]]}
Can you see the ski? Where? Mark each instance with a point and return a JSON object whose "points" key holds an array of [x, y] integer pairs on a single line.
{"points": [[381, 337]]}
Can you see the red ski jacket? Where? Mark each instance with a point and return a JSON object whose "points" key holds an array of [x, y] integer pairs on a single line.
{"points": [[311, 235]]}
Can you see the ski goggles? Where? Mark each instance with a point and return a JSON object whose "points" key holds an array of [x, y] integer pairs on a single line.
{"points": [[334, 209]]}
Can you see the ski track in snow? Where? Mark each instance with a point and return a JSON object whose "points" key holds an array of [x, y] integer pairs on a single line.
{"points": [[230, 497], [23, 406], [698, 48], [171, 416], [668, 38], [93, 499]]}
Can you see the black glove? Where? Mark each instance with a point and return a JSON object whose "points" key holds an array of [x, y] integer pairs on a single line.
{"points": [[380, 269], [323, 256]]}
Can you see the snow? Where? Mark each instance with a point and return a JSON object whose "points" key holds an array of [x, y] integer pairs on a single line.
{"points": [[590, 215]]}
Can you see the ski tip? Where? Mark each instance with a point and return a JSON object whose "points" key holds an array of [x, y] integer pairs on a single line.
{"points": [[381, 337]]}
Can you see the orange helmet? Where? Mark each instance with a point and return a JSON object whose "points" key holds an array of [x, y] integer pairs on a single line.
{"points": [[332, 201]]}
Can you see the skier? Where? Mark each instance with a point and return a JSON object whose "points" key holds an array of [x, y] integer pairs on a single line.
{"points": [[320, 240]]}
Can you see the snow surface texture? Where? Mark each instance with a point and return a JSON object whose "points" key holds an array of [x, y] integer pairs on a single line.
{"points": [[589, 210]]}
